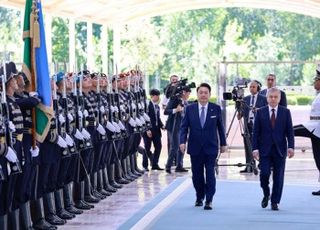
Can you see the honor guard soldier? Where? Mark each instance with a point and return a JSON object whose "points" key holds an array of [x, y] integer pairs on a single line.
{"points": [[103, 181], [8, 156], [87, 155], [71, 129], [66, 153], [27, 100], [13, 113], [50, 156], [101, 135]]}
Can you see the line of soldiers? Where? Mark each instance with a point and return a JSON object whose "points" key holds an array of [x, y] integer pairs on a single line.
{"points": [[89, 152]]}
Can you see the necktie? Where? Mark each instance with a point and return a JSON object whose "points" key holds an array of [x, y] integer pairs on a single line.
{"points": [[252, 100], [273, 118], [202, 116]]}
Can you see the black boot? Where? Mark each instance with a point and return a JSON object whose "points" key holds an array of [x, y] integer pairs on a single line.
{"points": [[80, 202], [118, 175], [94, 187], [111, 171], [129, 168], [50, 214], [106, 184], [14, 219], [26, 216], [133, 167], [61, 212], [4, 222], [39, 222], [100, 184], [68, 202], [126, 173], [88, 197], [134, 157]]}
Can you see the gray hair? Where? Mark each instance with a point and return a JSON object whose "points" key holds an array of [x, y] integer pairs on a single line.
{"points": [[273, 90]]}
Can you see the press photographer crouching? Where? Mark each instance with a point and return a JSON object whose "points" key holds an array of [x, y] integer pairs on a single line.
{"points": [[246, 108], [178, 95]]}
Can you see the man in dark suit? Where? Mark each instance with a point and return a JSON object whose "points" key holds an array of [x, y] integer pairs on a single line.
{"points": [[272, 142], [271, 82], [252, 103], [201, 125], [154, 133]]}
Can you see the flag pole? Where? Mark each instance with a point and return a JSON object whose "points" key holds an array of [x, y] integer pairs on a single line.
{"points": [[33, 21]]}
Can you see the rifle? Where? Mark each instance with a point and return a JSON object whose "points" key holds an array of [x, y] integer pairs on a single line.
{"points": [[60, 127], [81, 124], [15, 167], [72, 149], [100, 115]]}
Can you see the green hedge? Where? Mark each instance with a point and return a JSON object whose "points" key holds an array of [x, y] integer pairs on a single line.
{"points": [[292, 100], [304, 100]]}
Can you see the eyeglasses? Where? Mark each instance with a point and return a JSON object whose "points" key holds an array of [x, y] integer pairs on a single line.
{"points": [[270, 79]]}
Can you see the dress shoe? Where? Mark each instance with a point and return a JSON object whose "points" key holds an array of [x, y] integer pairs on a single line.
{"points": [[146, 169], [181, 170], [156, 168], [208, 205], [316, 193], [168, 171], [264, 202], [198, 203], [274, 207]]}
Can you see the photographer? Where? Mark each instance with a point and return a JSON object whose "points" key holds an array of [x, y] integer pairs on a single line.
{"points": [[178, 95], [167, 90], [252, 103]]}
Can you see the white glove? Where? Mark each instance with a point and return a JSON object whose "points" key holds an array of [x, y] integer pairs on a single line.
{"points": [[112, 108], [12, 127], [117, 127], [146, 117], [69, 140], [102, 110], [70, 117], [78, 135], [116, 109], [85, 113], [121, 125], [34, 152], [139, 106], [61, 119], [132, 122], [138, 122], [110, 127], [33, 94], [80, 114], [61, 142], [11, 155], [85, 134], [101, 130], [142, 120], [133, 105]]}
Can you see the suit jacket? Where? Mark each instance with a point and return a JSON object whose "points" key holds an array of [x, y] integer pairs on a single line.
{"points": [[174, 119], [202, 139], [260, 102], [155, 129], [264, 137], [283, 100]]}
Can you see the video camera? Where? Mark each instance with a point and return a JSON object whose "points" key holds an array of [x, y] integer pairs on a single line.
{"points": [[237, 93], [176, 90]]}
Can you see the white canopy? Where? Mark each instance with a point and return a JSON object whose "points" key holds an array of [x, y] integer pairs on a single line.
{"points": [[114, 11]]}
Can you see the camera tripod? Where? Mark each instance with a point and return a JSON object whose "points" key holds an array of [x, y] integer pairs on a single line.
{"points": [[247, 145]]}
